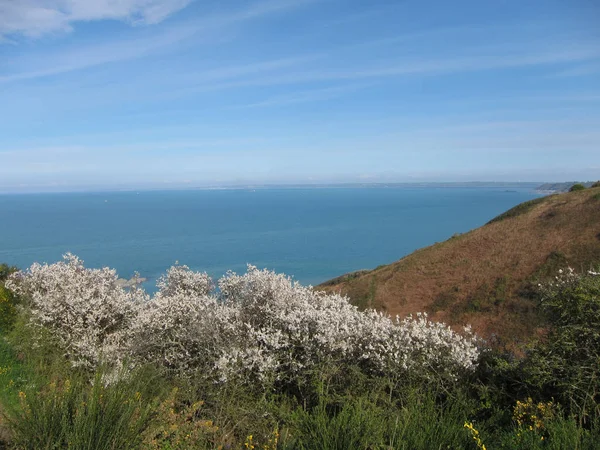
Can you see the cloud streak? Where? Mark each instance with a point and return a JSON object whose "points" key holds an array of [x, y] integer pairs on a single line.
{"points": [[137, 46], [35, 18]]}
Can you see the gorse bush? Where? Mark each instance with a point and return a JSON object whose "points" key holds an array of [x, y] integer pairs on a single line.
{"points": [[8, 300], [260, 327], [577, 187], [561, 366], [8, 312], [72, 414], [566, 364]]}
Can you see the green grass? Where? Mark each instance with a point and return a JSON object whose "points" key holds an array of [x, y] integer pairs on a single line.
{"points": [[75, 414], [13, 375]]}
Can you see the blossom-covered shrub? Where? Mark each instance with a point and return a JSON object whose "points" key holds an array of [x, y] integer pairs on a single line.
{"points": [[182, 333], [85, 309], [255, 327], [291, 328], [182, 280]]}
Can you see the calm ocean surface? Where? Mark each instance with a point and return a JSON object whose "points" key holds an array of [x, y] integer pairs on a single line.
{"points": [[311, 234]]}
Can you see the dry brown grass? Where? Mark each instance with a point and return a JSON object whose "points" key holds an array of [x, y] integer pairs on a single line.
{"points": [[485, 277]]}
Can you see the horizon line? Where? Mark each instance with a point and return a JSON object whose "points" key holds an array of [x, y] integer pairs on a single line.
{"points": [[266, 186]]}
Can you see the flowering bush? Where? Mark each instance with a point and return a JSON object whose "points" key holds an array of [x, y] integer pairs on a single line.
{"points": [[182, 333], [85, 309], [257, 326]]}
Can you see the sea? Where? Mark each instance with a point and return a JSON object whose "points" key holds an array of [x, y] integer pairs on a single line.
{"points": [[310, 234]]}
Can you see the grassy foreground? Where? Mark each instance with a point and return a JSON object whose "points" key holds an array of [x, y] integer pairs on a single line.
{"points": [[546, 399]]}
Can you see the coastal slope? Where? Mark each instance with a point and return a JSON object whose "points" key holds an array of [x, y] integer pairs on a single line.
{"points": [[488, 276]]}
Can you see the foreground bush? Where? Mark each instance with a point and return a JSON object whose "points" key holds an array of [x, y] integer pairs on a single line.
{"points": [[562, 366], [566, 364], [236, 357], [577, 187], [75, 414], [260, 327], [86, 310], [8, 300]]}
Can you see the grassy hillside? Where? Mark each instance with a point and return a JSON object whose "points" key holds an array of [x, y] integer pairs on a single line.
{"points": [[486, 277]]}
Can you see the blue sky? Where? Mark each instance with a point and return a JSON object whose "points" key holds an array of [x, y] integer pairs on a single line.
{"points": [[175, 93]]}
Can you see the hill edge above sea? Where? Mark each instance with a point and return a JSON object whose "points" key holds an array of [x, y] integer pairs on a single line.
{"points": [[488, 277]]}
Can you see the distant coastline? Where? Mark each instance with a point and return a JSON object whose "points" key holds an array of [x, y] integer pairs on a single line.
{"points": [[555, 188], [245, 187]]}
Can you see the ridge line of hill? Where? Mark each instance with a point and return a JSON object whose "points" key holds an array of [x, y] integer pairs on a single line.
{"points": [[488, 276]]}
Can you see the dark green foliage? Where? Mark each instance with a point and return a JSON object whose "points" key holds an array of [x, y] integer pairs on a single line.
{"points": [[8, 300], [8, 311], [6, 270], [562, 366], [74, 414], [596, 184], [521, 208], [577, 187], [566, 364], [421, 421], [561, 433], [356, 425]]}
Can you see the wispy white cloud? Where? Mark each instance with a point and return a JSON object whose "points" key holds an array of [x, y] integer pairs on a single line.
{"points": [[243, 70], [403, 67], [34, 18], [95, 55], [82, 57]]}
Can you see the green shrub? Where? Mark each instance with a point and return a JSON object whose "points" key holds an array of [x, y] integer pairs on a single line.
{"points": [[425, 421], [596, 184], [356, 425], [8, 312], [6, 270], [577, 187], [421, 421], [74, 414], [558, 433], [565, 365], [8, 300], [180, 428]]}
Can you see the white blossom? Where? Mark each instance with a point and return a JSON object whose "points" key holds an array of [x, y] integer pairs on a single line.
{"points": [[87, 310], [256, 326]]}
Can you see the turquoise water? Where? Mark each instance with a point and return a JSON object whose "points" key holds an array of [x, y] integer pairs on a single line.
{"points": [[311, 234]]}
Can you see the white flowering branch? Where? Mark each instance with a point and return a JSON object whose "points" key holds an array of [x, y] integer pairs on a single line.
{"points": [[258, 326]]}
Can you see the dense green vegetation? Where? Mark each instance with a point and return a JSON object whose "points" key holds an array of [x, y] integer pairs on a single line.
{"points": [[545, 397]]}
